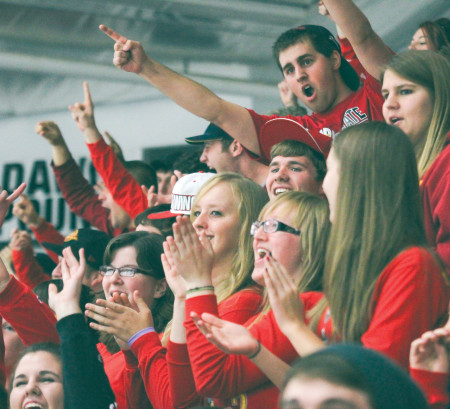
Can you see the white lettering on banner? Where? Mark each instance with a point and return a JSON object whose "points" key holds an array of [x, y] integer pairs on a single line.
{"points": [[43, 191]]}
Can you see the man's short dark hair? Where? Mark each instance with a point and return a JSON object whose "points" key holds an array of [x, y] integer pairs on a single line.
{"points": [[290, 148], [143, 173]]}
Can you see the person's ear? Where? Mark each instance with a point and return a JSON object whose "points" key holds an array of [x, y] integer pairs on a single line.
{"points": [[335, 59], [236, 148], [160, 288]]}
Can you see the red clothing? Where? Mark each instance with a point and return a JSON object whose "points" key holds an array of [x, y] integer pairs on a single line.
{"points": [[2, 358], [434, 385], [168, 377], [81, 197], [234, 379], [360, 106], [126, 192], [33, 320], [410, 298], [123, 373], [27, 269], [46, 232], [435, 189]]}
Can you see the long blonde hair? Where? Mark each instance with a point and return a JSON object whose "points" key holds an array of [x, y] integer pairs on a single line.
{"points": [[249, 198], [431, 71], [310, 215], [378, 214]]}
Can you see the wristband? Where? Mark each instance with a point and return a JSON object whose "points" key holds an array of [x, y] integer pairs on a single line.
{"points": [[196, 289], [139, 334], [258, 350]]}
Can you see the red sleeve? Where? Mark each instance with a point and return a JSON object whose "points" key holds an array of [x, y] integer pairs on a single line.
{"points": [[81, 197], [435, 188], [349, 54], [135, 393], [46, 232], [2, 357], [410, 298], [27, 269], [33, 320], [434, 385], [126, 192], [224, 376]]}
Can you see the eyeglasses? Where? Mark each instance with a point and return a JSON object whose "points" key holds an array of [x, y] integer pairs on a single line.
{"points": [[271, 226], [127, 271]]}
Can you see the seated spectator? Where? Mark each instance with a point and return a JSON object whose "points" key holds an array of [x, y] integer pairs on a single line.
{"points": [[432, 35]]}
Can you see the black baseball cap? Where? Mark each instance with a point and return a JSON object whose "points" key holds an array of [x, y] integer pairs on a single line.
{"points": [[93, 242], [349, 75], [212, 133]]}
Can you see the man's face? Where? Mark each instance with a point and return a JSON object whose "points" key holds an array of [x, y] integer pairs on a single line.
{"points": [[292, 173], [119, 217], [311, 76], [215, 158], [164, 182]]}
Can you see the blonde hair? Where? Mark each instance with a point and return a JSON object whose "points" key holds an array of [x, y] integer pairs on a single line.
{"points": [[249, 198], [309, 214], [431, 71], [378, 214]]}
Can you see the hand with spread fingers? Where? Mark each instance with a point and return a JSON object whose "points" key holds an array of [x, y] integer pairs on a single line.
{"points": [[128, 55], [6, 200], [66, 302], [192, 256], [431, 351], [116, 316], [229, 337]]}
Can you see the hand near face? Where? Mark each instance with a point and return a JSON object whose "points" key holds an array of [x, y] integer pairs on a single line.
{"points": [[229, 337], [66, 302], [173, 278], [283, 296], [430, 352], [128, 55], [115, 316], [288, 98], [192, 256]]}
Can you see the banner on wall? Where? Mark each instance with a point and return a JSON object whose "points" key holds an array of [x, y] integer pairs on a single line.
{"points": [[43, 191]]}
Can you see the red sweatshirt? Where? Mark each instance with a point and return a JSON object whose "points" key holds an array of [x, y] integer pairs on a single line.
{"points": [[168, 376]]}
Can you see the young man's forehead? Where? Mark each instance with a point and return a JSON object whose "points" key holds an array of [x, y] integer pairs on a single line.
{"points": [[302, 160]]}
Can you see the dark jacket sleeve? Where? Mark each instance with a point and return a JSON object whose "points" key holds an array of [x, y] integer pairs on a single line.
{"points": [[85, 382]]}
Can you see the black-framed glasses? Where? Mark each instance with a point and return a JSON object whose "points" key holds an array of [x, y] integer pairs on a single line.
{"points": [[271, 226], [126, 271]]}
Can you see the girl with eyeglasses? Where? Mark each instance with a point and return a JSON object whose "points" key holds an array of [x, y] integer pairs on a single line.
{"points": [[383, 285], [293, 229], [221, 215]]}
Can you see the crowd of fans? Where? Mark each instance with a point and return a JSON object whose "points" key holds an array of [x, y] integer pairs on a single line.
{"points": [[294, 261]]}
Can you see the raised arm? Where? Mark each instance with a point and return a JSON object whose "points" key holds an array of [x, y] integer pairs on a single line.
{"points": [[51, 133], [369, 47], [130, 56]]}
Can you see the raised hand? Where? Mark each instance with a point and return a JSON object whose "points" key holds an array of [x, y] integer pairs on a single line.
{"points": [[5, 200], [288, 98], [322, 9], [430, 352], [229, 337], [66, 302], [128, 55], [117, 317], [26, 212], [283, 296], [174, 280], [192, 256], [20, 240], [50, 132], [83, 112]]}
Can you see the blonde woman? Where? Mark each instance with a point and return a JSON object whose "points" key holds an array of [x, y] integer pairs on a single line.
{"points": [[221, 216]]}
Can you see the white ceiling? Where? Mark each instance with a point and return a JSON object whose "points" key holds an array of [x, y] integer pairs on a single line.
{"points": [[47, 47]]}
